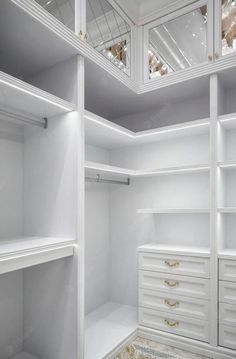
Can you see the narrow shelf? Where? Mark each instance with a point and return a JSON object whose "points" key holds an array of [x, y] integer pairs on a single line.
{"points": [[94, 167], [19, 96], [227, 253], [104, 133], [172, 210], [228, 165], [22, 252], [227, 210], [179, 250], [228, 121]]}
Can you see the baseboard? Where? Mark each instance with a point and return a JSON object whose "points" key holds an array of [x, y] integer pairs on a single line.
{"points": [[187, 344]]}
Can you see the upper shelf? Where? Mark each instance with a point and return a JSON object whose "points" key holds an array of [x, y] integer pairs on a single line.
{"points": [[27, 99], [104, 133], [23, 252]]}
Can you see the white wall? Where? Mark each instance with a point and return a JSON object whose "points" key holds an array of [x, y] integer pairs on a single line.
{"points": [[168, 114], [11, 180]]}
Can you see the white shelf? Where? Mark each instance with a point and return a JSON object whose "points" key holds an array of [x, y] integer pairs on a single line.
{"points": [[228, 121], [227, 254], [29, 100], [179, 250], [94, 167], [104, 133], [227, 210], [23, 252], [24, 355], [228, 165], [172, 210]]}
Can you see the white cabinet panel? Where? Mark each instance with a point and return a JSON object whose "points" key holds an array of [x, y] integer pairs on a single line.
{"points": [[227, 313], [227, 292], [227, 270], [174, 304], [183, 265], [175, 284], [188, 327], [227, 336]]}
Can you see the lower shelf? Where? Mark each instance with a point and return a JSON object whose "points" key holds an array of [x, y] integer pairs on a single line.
{"points": [[24, 356], [107, 327]]}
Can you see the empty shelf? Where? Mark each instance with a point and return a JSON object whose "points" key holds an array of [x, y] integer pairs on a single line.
{"points": [[228, 121], [172, 210], [27, 99], [179, 250], [24, 356], [95, 168], [227, 210], [23, 252], [228, 165]]}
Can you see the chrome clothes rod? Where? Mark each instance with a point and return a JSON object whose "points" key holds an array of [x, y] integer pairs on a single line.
{"points": [[101, 180], [8, 115]]}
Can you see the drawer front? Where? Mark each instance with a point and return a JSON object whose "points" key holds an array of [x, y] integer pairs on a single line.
{"points": [[227, 270], [227, 314], [189, 266], [227, 292], [227, 336], [174, 304], [174, 284], [176, 324]]}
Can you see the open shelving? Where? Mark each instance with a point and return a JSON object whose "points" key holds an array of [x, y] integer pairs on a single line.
{"points": [[23, 252]]}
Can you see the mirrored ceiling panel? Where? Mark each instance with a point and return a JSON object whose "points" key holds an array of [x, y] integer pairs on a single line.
{"points": [[178, 44], [63, 10], [109, 33], [228, 27]]}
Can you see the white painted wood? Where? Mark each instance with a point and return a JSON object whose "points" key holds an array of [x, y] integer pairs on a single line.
{"points": [[174, 284], [23, 252], [227, 292], [172, 210], [24, 356], [184, 326], [227, 336], [228, 121], [174, 264], [227, 210], [175, 250], [227, 270], [227, 314], [172, 303], [227, 253], [228, 165]]}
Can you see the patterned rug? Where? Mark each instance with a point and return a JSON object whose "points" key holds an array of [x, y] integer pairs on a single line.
{"points": [[147, 349]]}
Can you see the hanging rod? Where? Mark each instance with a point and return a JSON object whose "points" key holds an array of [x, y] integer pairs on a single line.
{"points": [[98, 179], [15, 117]]}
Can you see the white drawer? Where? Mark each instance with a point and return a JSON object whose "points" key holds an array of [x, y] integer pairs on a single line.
{"points": [[183, 265], [174, 304], [175, 284], [176, 324], [227, 270], [227, 292], [227, 314], [227, 336]]}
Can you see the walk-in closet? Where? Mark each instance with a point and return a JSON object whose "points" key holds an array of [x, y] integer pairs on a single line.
{"points": [[117, 179]]}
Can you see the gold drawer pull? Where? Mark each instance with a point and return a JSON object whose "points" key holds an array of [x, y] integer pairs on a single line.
{"points": [[171, 305], [172, 324], [172, 284], [172, 264]]}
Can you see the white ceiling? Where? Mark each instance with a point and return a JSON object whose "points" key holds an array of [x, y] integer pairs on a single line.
{"points": [[143, 11]]}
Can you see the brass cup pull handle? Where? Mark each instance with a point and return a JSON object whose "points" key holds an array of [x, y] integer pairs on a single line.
{"points": [[171, 305], [171, 324], [171, 284], [172, 264]]}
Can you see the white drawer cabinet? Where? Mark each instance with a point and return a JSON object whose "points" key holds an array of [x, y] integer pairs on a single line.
{"points": [[176, 324], [183, 265], [227, 292], [174, 304], [227, 270], [227, 336], [174, 284], [227, 314]]}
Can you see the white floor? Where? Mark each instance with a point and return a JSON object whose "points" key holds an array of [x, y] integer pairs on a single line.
{"points": [[107, 327]]}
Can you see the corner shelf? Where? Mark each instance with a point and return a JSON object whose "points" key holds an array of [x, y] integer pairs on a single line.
{"points": [[172, 210], [19, 96], [22, 252]]}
